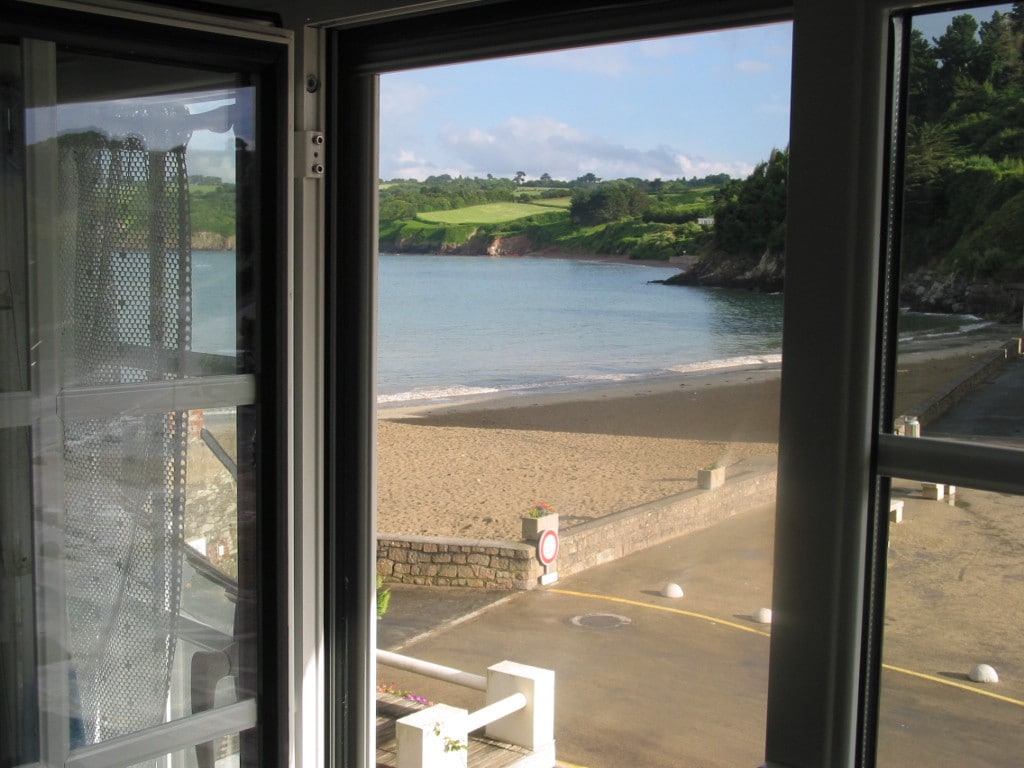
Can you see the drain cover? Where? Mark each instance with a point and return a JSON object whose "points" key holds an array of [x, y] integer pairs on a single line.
{"points": [[601, 620]]}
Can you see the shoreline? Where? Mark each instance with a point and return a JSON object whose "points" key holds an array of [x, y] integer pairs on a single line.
{"points": [[679, 263], [468, 468], [917, 350], [583, 391]]}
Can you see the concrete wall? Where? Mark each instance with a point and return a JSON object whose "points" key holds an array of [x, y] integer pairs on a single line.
{"points": [[929, 410]]}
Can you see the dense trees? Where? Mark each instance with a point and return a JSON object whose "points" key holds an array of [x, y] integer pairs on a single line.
{"points": [[965, 148], [750, 215], [607, 202]]}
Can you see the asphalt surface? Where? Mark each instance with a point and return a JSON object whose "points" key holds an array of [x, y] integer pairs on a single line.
{"points": [[646, 680], [994, 412]]}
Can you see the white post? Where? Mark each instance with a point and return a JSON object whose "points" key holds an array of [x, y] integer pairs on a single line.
{"points": [[532, 727], [434, 737]]}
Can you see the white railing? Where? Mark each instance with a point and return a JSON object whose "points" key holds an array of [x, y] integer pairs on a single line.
{"points": [[520, 710]]}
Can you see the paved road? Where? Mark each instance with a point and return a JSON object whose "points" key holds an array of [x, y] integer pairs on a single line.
{"points": [[644, 680], [994, 411]]}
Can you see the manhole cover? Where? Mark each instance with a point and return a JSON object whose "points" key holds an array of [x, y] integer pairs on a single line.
{"points": [[601, 620]]}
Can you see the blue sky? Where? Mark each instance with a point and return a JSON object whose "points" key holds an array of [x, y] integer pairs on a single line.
{"points": [[666, 108]]}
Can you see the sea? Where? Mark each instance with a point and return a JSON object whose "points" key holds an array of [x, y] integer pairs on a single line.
{"points": [[458, 327]]}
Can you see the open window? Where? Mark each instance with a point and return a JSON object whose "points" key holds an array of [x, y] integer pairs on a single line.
{"points": [[140, 265]]}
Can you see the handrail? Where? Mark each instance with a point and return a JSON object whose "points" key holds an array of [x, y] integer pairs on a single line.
{"points": [[520, 711], [429, 669], [499, 709]]}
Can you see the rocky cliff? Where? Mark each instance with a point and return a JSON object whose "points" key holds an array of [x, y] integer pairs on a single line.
{"points": [[764, 274], [928, 291]]}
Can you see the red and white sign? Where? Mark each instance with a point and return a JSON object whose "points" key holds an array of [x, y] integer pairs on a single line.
{"points": [[547, 547]]}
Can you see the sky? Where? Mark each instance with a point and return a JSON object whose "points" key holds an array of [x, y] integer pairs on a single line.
{"points": [[666, 108]]}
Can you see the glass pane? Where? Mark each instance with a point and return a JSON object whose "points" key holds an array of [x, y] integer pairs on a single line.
{"points": [[128, 537], [536, 371], [953, 676], [19, 720], [953, 596], [962, 280], [13, 269], [223, 752], [148, 228]]}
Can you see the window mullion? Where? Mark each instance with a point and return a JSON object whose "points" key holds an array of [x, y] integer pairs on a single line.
{"points": [[827, 400], [165, 739], [985, 467], [53, 664], [81, 403]]}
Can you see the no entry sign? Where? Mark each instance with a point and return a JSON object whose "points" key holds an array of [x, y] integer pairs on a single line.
{"points": [[547, 547]]}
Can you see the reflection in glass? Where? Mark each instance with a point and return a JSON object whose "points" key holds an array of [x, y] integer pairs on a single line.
{"points": [[221, 753], [126, 568], [13, 269], [963, 196], [954, 601], [18, 714]]}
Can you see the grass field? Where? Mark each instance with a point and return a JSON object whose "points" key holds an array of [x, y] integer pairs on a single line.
{"points": [[491, 213]]}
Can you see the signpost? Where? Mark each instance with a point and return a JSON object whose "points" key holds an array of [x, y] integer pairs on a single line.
{"points": [[547, 553]]}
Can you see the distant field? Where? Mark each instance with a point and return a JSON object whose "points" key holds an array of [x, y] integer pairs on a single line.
{"points": [[554, 202], [491, 213]]}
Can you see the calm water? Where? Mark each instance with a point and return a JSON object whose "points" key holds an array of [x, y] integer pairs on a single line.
{"points": [[452, 326], [456, 325]]}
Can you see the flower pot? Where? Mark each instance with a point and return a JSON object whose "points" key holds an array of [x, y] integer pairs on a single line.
{"points": [[533, 527], [710, 478]]}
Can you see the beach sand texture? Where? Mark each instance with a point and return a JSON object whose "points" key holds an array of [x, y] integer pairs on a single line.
{"points": [[472, 470]]}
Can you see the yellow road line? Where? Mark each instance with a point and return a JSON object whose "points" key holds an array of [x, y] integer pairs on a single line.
{"points": [[954, 684], [665, 608], [734, 625]]}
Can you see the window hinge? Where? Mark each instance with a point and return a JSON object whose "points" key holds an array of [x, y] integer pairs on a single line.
{"points": [[309, 154]]}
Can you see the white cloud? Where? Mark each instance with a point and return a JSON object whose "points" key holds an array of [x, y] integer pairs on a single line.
{"points": [[701, 167], [752, 67], [538, 145], [404, 99]]}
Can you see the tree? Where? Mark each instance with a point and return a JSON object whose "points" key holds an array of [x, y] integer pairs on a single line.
{"points": [[959, 53], [520, 177], [750, 215], [607, 202]]}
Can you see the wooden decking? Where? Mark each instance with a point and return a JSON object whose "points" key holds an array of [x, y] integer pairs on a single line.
{"points": [[483, 752]]}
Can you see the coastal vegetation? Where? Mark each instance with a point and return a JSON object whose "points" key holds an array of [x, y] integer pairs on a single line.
{"points": [[212, 212], [963, 201], [635, 218]]}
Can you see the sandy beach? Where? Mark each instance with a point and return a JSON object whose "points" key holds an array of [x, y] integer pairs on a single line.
{"points": [[470, 470]]}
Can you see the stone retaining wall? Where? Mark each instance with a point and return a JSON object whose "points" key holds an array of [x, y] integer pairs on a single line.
{"points": [[487, 564]]}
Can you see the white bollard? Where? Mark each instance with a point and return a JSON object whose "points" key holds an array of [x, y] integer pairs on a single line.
{"points": [[534, 726], [896, 511], [983, 673], [434, 737], [672, 590]]}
